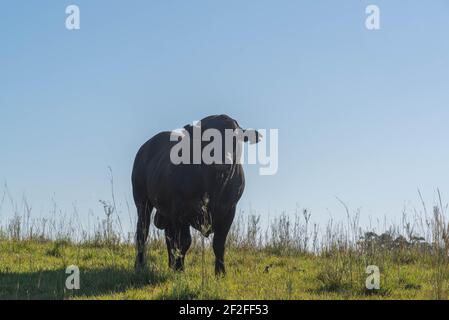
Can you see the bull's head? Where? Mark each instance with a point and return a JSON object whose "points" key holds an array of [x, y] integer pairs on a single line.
{"points": [[222, 127]]}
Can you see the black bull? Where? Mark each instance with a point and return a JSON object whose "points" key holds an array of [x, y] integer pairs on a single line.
{"points": [[202, 195]]}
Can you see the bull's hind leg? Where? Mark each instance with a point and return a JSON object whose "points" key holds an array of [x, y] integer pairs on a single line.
{"points": [[143, 227]]}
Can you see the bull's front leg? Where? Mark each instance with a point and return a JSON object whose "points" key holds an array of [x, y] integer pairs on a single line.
{"points": [[219, 250], [170, 245], [178, 240], [221, 232], [172, 241]]}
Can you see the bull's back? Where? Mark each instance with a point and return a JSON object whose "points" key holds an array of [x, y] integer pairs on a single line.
{"points": [[147, 159]]}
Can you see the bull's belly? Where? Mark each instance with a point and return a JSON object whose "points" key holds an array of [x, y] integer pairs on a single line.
{"points": [[198, 220]]}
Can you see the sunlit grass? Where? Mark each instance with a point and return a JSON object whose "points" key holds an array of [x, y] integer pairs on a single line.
{"points": [[291, 258], [34, 270]]}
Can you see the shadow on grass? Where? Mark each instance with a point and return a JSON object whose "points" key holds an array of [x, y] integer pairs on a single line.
{"points": [[348, 290], [93, 282]]}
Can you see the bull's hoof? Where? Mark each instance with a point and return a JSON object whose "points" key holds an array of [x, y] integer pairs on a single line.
{"points": [[178, 266], [138, 267], [140, 263], [220, 271], [220, 274]]}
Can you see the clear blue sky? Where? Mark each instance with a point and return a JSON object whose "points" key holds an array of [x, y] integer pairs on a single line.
{"points": [[362, 115]]}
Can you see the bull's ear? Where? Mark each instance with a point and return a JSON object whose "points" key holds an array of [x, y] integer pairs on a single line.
{"points": [[190, 128], [252, 136]]}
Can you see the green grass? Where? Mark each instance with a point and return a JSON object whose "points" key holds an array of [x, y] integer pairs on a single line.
{"points": [[292, 258], [36, 270]]}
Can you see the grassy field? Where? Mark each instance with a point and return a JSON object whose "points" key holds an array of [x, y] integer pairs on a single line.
{"points": [[36, 270], [290, 258]]}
